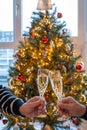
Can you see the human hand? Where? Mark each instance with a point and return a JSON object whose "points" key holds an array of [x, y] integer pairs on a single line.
{"points": [[70, 107], [33, 107]]}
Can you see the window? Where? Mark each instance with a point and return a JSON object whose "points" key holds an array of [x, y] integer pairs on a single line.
{"points": [[6, 22], [6, 60], [11, 27], [72, 11], [71, 16], [10, 33]]}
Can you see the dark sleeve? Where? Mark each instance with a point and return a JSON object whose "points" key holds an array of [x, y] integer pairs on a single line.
{"points": [[9, 103], [85, 115]]}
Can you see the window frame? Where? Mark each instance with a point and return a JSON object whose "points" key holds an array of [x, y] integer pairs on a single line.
{"points": [[17, 25], [80, 40]]}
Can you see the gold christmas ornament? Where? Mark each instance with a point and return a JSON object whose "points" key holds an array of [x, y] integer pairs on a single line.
{"points": [[63, 69], [82, 98], [26, 40], [47, 127], [77, 87], [44, 5]]}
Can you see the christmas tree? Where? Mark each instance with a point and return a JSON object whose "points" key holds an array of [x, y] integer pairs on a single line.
{"points": [[46, 45]]}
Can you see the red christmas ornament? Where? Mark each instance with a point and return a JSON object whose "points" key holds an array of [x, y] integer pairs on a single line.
{"points": [[74, 121], [59, 15], [4, 121], [20, 77], [44, 39], [46, 96], [79, 66]]}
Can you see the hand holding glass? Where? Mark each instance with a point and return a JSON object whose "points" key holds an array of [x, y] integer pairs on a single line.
{"points": [[57, 85]]}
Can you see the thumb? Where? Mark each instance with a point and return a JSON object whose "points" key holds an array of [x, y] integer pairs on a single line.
{"points": [[64, 106], [35, 103], [67, 100], [33, 99]]}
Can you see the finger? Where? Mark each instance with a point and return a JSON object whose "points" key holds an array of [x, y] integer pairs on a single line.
{"points": [[36, 98], [63, 112], [68, 99], [64, 106], [33, 113], [43, 101], [36, 101], [42, 111], [36, 113], [59, 112], [42, 106], [34, 104]]}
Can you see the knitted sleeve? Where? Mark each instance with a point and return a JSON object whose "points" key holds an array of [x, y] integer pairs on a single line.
{"points": [[9, 103]]}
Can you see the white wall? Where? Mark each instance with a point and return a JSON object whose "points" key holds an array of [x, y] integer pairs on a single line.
{"points": [[85, 19]]}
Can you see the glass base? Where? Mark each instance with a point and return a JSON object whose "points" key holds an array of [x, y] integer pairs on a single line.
{"points": [[63, 118], [42, 116]]}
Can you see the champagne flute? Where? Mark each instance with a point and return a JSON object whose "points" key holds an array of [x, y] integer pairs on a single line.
{"points": [[42, 81], [56, 82], [57, 86]]}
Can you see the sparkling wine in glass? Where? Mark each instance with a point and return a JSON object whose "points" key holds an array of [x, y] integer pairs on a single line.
{"points": [[57, 86], [42, 81], [56, 82]]}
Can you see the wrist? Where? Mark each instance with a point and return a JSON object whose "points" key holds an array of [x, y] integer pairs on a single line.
{"points": [[21, 111], [16, 107], [84, 116]]}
